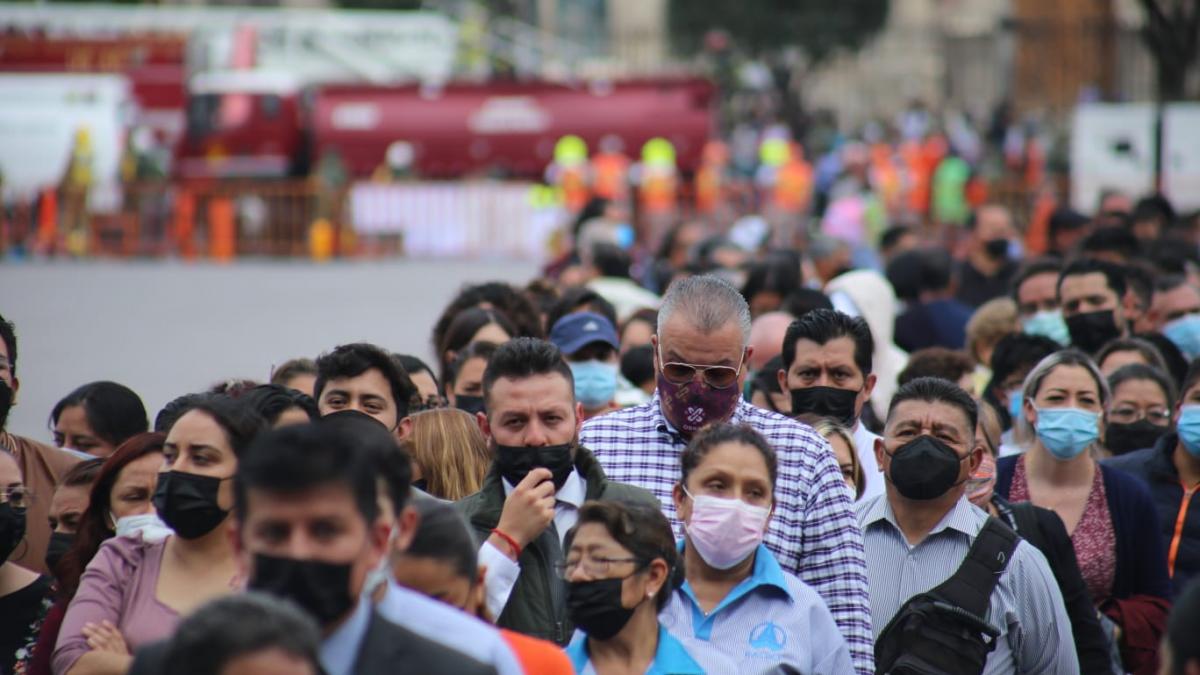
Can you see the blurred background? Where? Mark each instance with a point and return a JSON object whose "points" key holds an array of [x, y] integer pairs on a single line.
{"points": [[155, 157]]}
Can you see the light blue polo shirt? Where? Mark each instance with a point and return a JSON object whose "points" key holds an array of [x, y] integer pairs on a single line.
{"points": [[669, 659], [771, 618]]}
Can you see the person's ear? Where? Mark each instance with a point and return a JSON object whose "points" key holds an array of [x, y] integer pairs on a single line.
{"points": [[16, 387], [1029, 412], [880, 453], [654, 352], [781, 376], [241, 557], [484, 426], [378, 535], [405, 529], [868, 387], [974, 458], [656, 577], [677, 496], [404, 428], [578, 418]]}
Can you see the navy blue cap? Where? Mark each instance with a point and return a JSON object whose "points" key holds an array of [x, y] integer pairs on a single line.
{"points": [[576, 331]]}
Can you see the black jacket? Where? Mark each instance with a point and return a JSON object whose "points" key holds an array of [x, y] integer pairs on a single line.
{"points": [[1045, 531]]}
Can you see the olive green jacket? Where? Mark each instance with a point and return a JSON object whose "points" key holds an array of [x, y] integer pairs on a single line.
{"points": [[537, 605]]}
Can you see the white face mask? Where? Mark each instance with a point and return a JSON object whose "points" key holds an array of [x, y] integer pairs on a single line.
{"points": [[151, 527]]}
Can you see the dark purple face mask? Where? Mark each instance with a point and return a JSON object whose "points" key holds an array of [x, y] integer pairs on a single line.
{"points": [[689, 407]]}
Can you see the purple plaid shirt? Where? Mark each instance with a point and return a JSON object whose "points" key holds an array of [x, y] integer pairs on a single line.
{"points": [[813, 531]]}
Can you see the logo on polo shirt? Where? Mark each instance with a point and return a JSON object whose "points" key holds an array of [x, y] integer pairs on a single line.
{"points": [[769, 636]]}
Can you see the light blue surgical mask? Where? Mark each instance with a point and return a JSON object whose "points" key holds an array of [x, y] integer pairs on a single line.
{"points": [[625, 236], [1048, 323], [595, 383], [1015, 399], [1189, 429], [1185, 333], [1067, 432]]}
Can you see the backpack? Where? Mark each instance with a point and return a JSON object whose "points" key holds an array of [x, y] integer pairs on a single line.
{"points": [[943, 631]]}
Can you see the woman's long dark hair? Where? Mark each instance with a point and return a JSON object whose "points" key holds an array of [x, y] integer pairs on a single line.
{"points": [[94, 525]]}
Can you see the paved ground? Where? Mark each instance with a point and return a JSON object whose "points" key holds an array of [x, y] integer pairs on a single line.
{"points": [[167, 328]]}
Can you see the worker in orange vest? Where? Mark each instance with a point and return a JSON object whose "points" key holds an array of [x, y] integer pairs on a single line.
{"points": [[658, 187], [569, 172], [610, 170], [711, 177]]}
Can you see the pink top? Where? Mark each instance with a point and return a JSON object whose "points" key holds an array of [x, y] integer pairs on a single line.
{"points": [[1094, 539], [119, 585]]}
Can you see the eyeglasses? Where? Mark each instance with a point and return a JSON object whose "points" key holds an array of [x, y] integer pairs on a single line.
{"points": [[17, 497], [717, 377], [1129, 414], [595, 568]]}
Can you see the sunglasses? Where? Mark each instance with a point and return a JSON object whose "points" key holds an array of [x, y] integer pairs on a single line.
{"points": [[717, 377]]}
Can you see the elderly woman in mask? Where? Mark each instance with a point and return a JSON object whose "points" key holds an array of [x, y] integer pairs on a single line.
{"points": [[737, 607], [620, 560]]}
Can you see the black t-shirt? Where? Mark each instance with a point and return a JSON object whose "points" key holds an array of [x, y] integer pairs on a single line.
{"points": [[20, 612], [975, 289]]}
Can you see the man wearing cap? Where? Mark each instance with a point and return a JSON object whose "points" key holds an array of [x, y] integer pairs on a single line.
{"points": [[589, 343]]}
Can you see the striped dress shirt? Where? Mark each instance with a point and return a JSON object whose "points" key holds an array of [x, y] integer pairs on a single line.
{"points": [[1026, 606], [812, 530]]}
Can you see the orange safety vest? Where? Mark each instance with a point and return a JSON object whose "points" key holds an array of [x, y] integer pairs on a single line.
{"points": [[610, 176], [709, 187], [793, 186], [572, 180], [658, 192]]}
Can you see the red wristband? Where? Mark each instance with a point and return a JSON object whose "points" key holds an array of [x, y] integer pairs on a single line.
{"points": [[508, 540]]}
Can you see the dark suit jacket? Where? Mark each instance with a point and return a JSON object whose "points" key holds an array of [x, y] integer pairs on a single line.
{"points": [[388, 649]]}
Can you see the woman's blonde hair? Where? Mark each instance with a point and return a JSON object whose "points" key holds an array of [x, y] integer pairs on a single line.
{"points": [[448, 446], [828, 429], [993, 320]]}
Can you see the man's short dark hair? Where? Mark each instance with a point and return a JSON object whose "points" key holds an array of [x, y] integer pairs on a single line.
{"points": [[8, 333], [611, 260], [892, 236], [294, 459], [522, 358], [1191, 378], [1032, 269], [476, 350], [939, 362], [1139, 279], [1114, 275], [272, 400], [393, 464], [937, 390], [114, 412], [823, 325], [1018, 352], [411, 364], [1110, 240], [239, 625], [804, 300], [352, 360]]}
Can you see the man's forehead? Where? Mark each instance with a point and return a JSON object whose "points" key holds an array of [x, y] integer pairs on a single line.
{"points": [[534, 390], [1079, 284], [838, 348], [319, 501], [368, 381], [932, 413]]}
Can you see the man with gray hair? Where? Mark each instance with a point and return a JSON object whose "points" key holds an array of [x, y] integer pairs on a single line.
{"points": [[700, 361]]}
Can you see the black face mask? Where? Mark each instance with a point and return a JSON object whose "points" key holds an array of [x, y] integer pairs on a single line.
{"points": [[595, 607], [924, 468], [996, 249], [12, 529], [516, 462], [320, 588], [1090, 331], [6, 401], [60, 543], [1123, 438], [421, 484], [836, 404], [187, 503], [471, 404]]}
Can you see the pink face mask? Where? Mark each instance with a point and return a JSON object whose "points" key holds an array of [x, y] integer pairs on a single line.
{"points": [[981, 483], [725, 531]]}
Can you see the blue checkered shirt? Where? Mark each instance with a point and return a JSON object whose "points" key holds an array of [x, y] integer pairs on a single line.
{"points": [[813, 532]]}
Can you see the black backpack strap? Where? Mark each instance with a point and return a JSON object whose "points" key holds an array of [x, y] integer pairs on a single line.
{"points": [[970, 588]]}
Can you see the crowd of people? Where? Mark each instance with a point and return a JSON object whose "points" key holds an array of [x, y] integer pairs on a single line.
{"points": [[727, 457]]}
